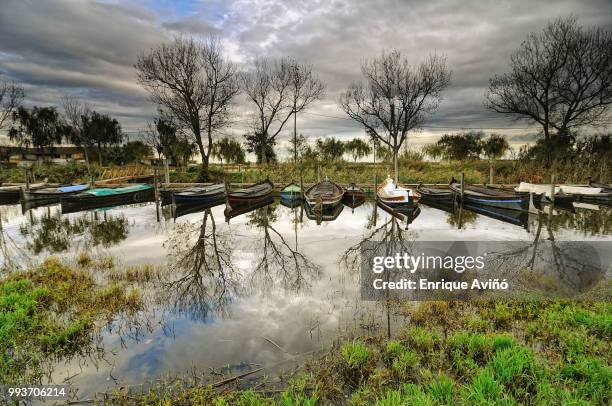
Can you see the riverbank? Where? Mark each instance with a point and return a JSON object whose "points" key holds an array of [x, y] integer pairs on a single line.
{"points": [[443, 352], [55, 311], [449, 353], [344, 172]]}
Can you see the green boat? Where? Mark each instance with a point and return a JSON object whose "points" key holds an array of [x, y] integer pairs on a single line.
{"points": [[106, 197], [291, 193]]}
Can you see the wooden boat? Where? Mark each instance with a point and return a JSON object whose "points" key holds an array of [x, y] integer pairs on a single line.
{"points": [[353, 196], [408, 213], [291, 203], [247, 195], [323, 213], [49, 194], [201, 194], [491, 197], [326, 194], [605, 187], [568, 193], [514, 217], [446, 206], [353, 191], [352, 203], [236, 210], [291, 193], [107, 197], [404, 208], [435, 194], [188, 208], [12, 193], [393, 195]]}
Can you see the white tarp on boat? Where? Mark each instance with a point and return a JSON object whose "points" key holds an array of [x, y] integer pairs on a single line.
{"points": [[539, 189], [390, 190]]}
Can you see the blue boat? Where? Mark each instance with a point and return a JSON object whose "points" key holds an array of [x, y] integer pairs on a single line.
{"points": [[291, 193], [51, 194], [491, 197]]}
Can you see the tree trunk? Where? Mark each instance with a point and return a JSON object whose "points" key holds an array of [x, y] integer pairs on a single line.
{"points": [[295, 152], [100, 154], [204, 157], [395, 160]]}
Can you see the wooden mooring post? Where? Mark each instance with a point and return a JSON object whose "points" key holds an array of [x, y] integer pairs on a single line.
{"points": [[552, 189]]}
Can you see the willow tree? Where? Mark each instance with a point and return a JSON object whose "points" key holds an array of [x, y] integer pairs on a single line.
{"points": [[396, 97], [194, 82]]}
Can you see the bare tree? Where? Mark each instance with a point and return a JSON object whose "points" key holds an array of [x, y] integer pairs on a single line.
{"points": [[193, 81], [11, 96], [305, 89], [396, 97], [560, 78], [75, 111], [268, 86]]}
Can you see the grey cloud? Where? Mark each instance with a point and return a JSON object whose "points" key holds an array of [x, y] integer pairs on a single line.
{"points": [[89, 48]]}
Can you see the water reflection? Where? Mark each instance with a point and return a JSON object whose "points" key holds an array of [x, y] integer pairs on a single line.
{"points": [[280, 263], [54, 233], [268, 272], [206, 279]]}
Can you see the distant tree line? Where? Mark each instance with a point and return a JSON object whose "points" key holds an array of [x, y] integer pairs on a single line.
{"points": [[468, 145]]}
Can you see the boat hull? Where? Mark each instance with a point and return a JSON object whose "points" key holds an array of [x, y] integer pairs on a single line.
{"points": [[246, 206], [76, 203], [314, 197], [518, 201], [188, 208], [324, 214], [48, 197], [255, 193]]}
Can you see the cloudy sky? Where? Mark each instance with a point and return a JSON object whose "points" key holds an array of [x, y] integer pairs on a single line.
{"points": [[88, 48]]}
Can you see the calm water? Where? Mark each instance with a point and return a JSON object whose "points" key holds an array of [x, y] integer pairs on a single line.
{"points": [[268, 288]]}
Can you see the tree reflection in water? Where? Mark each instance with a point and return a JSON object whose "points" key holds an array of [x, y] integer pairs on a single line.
{"points": [[207, 279], [390, 235], [280, 263], [564, 267], [589, 222], [56, 233]]}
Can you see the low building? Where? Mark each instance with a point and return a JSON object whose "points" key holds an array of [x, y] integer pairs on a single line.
{"points": [[18, 156]]}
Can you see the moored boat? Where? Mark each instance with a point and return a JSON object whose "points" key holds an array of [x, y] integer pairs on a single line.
{"points": [[407, 213], [183, 209], [291, 193], [325, 194], [246, 207], [605, 187], [51, 194], [12, 193], [354, 196], [514, 217], [247, 195], [435, 194], [354, 192], [484, 196], [107, 197], [394, 195], [201, 194], [323, 213]]}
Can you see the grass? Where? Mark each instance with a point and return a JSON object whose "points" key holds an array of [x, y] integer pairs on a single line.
{"points": [[411, 171], [50, 312], [341, 171], [451, 353]]}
